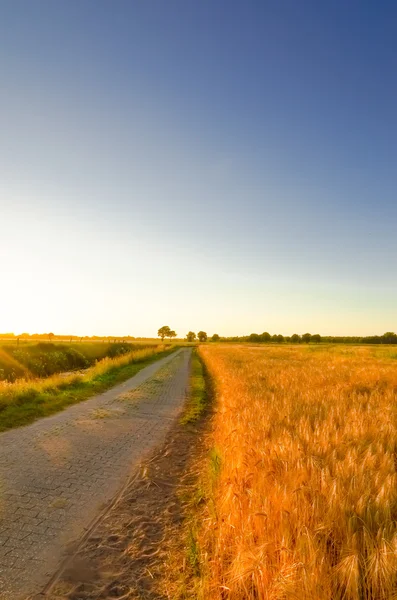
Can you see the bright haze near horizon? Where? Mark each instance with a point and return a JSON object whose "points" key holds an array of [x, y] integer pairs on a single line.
{"points": [[218, 165]]}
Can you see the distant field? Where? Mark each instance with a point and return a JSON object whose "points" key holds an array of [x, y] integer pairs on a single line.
{"points": [[302, 500], [42, 359]]}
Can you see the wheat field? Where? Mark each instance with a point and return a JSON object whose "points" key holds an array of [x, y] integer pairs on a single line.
{"points": [[305, 500]]}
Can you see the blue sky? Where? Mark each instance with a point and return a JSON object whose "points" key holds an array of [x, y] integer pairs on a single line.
{"points": [[218, 165]]}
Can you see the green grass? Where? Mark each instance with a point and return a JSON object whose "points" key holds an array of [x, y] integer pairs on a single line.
{"points": [[25, 401], [198, 397]]}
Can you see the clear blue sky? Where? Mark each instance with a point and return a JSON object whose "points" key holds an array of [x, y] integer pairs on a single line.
{"points": [[209, 164]]}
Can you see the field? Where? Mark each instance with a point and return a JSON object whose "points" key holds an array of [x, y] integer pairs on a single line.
{"points": [[300, 485]]}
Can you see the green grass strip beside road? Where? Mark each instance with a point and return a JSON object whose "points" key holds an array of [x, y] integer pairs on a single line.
{"points": [[198, 396], [23, 402]]}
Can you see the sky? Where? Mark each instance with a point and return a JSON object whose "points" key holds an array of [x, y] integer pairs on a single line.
{"points": [[204, 164]]}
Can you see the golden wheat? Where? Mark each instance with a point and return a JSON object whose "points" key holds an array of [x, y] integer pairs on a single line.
{"points": [[305, 504]]}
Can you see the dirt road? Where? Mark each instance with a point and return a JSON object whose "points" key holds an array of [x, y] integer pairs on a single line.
{"points": [[57, 474]]}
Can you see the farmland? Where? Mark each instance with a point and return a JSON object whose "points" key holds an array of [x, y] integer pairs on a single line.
{"points": [[300, 482]]}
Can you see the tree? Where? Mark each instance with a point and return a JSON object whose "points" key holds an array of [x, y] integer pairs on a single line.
{"points": [[306, 337], [171, 334], [50, 336], [163, 332], [280, 338], [316, 338], [295, 339], [254, 337], [202, 336], [389, 338], [265, 337], [191, 336], [215, 337]]}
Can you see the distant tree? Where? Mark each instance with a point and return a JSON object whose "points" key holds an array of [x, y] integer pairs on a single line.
{"points": [[191, 336], [295, 339], [280, 338], [202, 336], [265, 337], [171, 334], [163, 332], [254, 337], [50, 336], [389, 338], [316, 338], [215, 337], [274, 338], [306, 337]]}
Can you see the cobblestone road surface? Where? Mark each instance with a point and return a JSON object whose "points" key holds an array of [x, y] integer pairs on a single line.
{"points": [[58, 473]]}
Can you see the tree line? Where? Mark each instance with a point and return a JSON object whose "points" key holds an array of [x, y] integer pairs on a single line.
{"points": [[279, 339], [266, 338], [387, 338], [201, 336], [166, 332]]}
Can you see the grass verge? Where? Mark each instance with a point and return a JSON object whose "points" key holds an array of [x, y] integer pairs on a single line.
{"points": [[198, 396], [25, 401]]}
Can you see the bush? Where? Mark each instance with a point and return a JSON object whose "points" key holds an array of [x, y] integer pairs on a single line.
{"points": [[118, 350]]}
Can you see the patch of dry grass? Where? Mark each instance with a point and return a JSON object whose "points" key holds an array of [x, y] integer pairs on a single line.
{"points": [[305, 500]]}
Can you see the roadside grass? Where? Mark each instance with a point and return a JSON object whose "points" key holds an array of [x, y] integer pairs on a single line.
{"points": [[198, 396], [27, 400]]}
